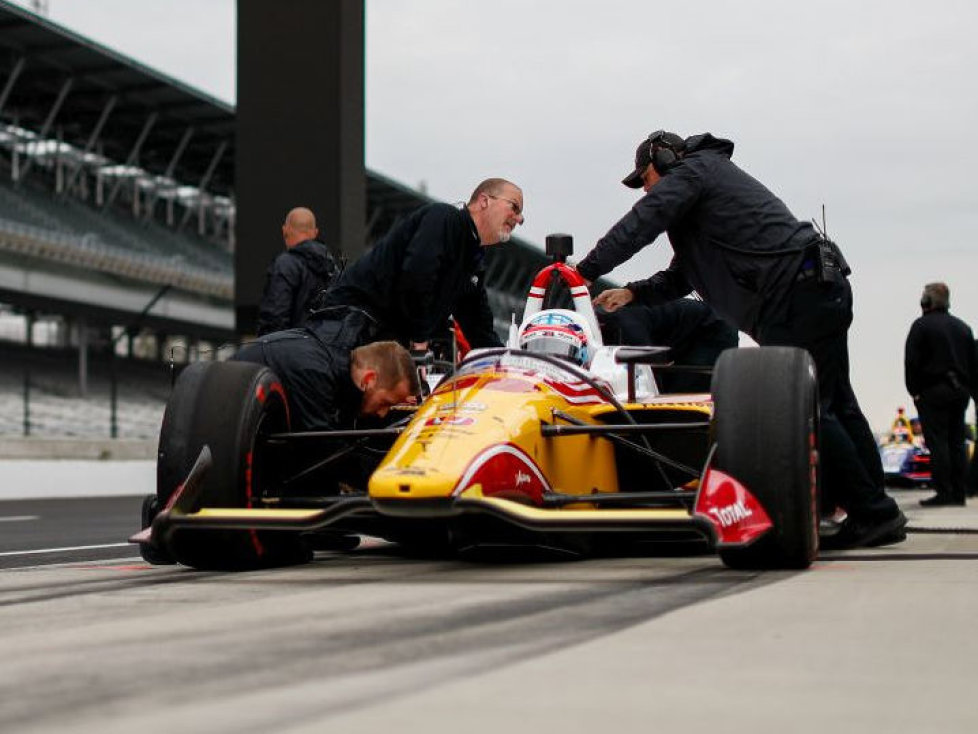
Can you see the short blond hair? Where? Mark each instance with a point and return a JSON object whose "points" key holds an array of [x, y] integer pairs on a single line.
{"points": [[391, 361]]}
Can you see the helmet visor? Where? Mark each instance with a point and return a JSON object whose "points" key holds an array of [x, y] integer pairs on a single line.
{"points": [[554, 346]]}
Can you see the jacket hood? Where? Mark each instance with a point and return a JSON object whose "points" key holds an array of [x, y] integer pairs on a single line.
{"points": [[315, 256], [706, 141]]}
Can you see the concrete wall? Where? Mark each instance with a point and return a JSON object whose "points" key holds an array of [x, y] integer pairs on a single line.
{"points": [[74, 448]]}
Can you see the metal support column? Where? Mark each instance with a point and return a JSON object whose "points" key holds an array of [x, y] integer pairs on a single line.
{"points": [[93, 138], [43, 132], [132, 157], [82, 326], [204, 181], [11, 80], [317, 157], [174, 159]]}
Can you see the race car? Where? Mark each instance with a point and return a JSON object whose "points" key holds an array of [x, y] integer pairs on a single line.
{"points": [[555, 441], [905, 458]]}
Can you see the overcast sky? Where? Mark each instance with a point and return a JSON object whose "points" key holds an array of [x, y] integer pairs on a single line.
{"points": [[867, 107]]}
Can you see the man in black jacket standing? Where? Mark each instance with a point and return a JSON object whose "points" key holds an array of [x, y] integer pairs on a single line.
{"points": [[774, 278], [941, 375], [430, 266], [296, 276]]}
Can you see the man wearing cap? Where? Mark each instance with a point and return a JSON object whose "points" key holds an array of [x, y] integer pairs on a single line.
{"points": [[772, 276]]}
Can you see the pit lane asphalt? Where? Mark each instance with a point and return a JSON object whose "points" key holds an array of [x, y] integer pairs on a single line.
{"points": [[868, 640], [45, 531]]}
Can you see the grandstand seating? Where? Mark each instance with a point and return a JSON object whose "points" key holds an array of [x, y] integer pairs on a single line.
{"points": [[57, 409], [36, 224], [41, 208]]}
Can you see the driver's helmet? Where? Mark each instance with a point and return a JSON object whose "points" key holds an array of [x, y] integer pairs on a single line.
{"points": [[558, 332]]}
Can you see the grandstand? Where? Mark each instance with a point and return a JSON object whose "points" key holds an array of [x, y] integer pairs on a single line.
{"points": [[54, 407], [117, 226]]}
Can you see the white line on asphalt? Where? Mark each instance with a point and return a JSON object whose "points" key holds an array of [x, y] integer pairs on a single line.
{"points": [[40, 551], [19, 518]]}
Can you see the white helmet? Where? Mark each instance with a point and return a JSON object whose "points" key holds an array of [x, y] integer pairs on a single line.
{"points": [[558, 332]]}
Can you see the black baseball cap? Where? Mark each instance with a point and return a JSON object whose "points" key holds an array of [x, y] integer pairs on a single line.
{"points": [[643, 154]]}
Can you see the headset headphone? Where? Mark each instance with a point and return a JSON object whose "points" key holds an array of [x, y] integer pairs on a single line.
{"points": [[662, 152]]}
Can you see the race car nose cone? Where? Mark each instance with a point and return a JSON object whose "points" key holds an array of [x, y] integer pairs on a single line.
{"points": [[410, 483]]}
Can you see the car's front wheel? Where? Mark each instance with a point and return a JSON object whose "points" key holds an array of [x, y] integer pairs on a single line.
{"points": [[765, 426], [227, 406]]}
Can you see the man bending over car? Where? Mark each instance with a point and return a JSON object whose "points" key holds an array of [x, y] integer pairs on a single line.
{"points": [[431, 266], [329, 382], [772, 276]]}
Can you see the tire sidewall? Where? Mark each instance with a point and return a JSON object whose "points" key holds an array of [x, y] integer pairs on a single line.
{"points": [[224, 405], [766, 431]]}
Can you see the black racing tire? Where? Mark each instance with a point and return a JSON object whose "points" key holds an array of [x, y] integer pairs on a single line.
{"points": [[174, 455], [765, 425], [226, 406]]}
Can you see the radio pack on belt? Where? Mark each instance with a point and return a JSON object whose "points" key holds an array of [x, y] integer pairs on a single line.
{"points": [[830, 264]]}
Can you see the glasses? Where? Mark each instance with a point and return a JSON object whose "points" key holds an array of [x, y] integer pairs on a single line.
{"points": [[514, 205]]}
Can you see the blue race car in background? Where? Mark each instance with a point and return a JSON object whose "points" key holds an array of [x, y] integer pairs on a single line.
{"points": [[906, 460]]}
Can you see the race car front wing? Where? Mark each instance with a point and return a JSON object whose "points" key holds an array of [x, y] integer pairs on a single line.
{"points": [[724, 512]]}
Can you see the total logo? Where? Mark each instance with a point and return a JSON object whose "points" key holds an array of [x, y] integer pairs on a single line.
{"points": [[731, 514]]}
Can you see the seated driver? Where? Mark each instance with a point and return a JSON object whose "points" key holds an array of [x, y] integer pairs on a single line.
{"points": [[558, 332]]}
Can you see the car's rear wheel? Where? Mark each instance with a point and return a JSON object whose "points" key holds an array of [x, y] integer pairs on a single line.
{"points": [[766, 430], [226, 406]]}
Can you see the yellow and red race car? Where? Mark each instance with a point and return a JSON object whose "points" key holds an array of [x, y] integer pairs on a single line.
{"points": [[555, 441]]}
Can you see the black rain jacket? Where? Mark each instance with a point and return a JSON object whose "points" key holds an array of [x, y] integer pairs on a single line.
{"points": [[938, 346], [734, 241], [313, 363], [427, 268], [681, 325], [292, 283]]}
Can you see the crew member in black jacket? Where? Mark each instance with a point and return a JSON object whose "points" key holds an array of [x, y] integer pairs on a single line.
{"points": [[296, 276], [774, 278], [330, 381], [941, 375], [430, 266]]}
